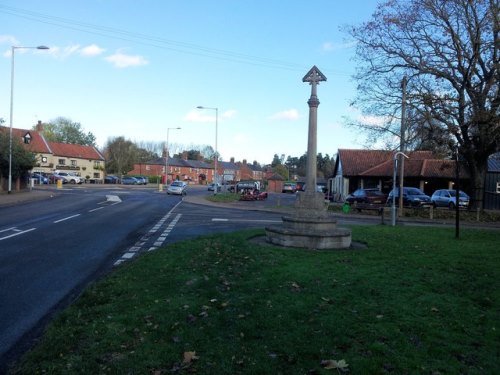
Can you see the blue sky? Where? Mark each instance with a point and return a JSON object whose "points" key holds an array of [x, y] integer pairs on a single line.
{"points": [[136, 68]]}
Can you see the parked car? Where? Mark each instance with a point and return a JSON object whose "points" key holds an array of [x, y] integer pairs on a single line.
{"points": [[247, 185], [319, 188], [53, 178], [211, 187], [142, 180], [70, 177], [289, 187], [300, 186], [129, 180], [177, 188], [412, 197], [366, 196], [447, 198], [109, 179], [40, 178]]}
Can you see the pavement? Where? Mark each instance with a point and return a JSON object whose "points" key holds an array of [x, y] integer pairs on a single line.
{"points": [[19, 197]]}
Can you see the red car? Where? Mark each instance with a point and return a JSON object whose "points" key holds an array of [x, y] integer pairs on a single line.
{"points": [[53, 178]]}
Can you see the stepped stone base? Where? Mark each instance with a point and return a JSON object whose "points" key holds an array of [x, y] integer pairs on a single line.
{"points": [[306, 230]]}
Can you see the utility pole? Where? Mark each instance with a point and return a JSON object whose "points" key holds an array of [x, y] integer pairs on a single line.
{"points": [[402, 145]]}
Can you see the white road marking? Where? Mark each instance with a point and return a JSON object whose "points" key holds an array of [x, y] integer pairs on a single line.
{"points": [[96, 209], [247, 220], [66, 218], [18, 232], [8, 229], [159, 241]]}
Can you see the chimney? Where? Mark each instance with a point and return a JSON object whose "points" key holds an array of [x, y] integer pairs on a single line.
{"points": [[232, 160], [39, 126], [244, 161], [184, 155]]}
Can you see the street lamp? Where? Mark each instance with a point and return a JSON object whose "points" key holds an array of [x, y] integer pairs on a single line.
{"points": [[216, 156], [166, 156], [394, 186], [13, 48]]}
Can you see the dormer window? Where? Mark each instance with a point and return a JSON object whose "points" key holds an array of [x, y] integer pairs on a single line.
{"points": [[27, 138]]}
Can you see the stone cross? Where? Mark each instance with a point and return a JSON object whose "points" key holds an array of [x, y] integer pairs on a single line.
{"points": [[314, 76]]}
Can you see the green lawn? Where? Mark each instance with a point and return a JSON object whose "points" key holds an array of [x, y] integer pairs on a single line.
{"points": [[415, 301]]}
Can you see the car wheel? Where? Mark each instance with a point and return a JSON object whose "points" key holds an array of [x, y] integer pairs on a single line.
{"points": [[73, 182], [451, 205]]}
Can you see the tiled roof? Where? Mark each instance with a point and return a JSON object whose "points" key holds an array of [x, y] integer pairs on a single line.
{"points": [[379, 163], [37, 144], [75, 151], [227, 165]]}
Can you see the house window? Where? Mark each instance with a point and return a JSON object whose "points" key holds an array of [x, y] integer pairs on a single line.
{"points": [[97, 164], [96, 175], [61, 162], [498, 187], [73, 163]]}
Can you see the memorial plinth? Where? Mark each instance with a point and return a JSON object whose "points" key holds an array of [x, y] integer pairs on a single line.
{"points": [[310, 226]]}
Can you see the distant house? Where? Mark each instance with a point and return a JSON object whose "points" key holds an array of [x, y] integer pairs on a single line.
{"points": [[86, 161], [250, 171], [191, 171], [356, 169]]}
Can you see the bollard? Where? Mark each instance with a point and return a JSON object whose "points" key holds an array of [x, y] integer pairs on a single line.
{"points": [[59, 184]]}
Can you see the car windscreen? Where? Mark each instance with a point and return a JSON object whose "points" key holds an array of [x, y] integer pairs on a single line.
{"points": [[414, 192]]}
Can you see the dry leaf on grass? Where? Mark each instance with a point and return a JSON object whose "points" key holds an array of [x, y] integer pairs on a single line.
{"points": [[331, 364], [189, 357]]}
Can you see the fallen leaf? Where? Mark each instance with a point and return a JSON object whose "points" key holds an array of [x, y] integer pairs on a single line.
{"points": [[189, 357], [331, 364]]}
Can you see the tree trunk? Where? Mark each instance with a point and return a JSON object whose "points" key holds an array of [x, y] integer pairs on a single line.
{"points": [[478, 175]]}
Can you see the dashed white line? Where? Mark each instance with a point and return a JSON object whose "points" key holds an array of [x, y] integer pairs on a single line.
{"points": [[130, 253], [66, 218]]}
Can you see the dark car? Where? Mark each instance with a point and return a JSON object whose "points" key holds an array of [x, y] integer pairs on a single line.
{"points": [[412, 197], [246, 185], [366, 196], [109, 179], [447, 198], [39, 178]]}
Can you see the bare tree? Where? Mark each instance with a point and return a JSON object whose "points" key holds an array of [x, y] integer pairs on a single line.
{"points": [[120, 155], [448, 52]]}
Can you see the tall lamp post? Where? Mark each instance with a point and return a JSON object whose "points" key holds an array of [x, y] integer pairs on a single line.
{"points": [[13, 49], [166, 155], [393, 221], [216, 156]]}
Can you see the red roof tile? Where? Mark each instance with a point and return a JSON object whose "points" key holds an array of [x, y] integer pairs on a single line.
{"points": [[37, 144], [379, 163], [75, 151]]}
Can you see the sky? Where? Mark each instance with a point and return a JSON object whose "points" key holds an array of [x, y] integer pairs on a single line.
{"points": [[140, 69]]}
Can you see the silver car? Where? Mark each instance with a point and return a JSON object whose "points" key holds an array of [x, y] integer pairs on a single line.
{"points": [[177, 188], [447, 198]]}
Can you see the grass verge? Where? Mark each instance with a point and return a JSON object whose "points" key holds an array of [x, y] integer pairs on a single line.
{"points": [[416, 301]]}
